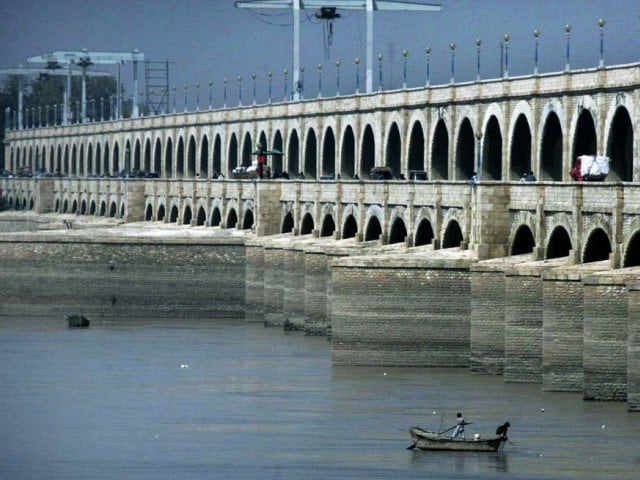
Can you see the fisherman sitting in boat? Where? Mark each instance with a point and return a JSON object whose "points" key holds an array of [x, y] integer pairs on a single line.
{"points": [[501, 431], [460, 423]]}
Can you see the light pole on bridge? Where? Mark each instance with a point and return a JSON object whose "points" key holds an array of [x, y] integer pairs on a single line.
{"points": [[536, 34], [601, 22]]}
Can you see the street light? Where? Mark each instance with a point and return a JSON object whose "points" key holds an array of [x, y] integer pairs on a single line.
{"points": [[478, 43], [357, 62], [452, 46], [186, 87], [319, 80], [301, 83], [405, 54], [338, 63], [567, 29], [240, 90], [197, 96], [536, 34], [380, 57], [224, 94], [428, 52], [286, 73], [601, 23], [210, 94], [174, 98], [506, 37], [253, 78], [270, 75]]}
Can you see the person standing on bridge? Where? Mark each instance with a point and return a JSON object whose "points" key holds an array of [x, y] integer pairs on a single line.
{"points": [[262, 160]]}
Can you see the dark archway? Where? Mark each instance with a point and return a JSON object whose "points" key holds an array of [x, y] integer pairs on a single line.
{"points": [[398, 232], [161, 213], [329, 153], [416, 147], [136, 157], [585, 139], [424, 233], [173, 214], [65, 163], [294, 153], [113, 210], [598, 246], [368, 152], [440, 152], [350, 227], [168, 159], [203, 169], [247, 221], [276, 159], [148, 214], [83, 207], [520, 162], [74, 161], [157, 158], [632, 254], [307, 225], [310, 154], [374, 229], [146, 166], [180, 159], [492, 151], [393, 151], [232, 155], [247, 150], [92, 208], [328, 226], [620, 147], [90, 170], [216, 217], [232, 219], [551, 154], [523, 241], [559, 243], [287, 223], [348, 154], [452, 235], [191, 158], [103, 208], [202, 217], [465, 148], [122, 211], [217, 156], [188, 215]]}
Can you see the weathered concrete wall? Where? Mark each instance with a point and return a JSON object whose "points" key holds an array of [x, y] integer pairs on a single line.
{"points": [[633, 349], [273, 286], [294, 287], [45, 275], [254, 278]]}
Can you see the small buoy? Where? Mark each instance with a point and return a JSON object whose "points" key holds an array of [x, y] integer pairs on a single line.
{"points": [[604, 426], [542, 410], [540, 455], [434, 412], [384, 373]]}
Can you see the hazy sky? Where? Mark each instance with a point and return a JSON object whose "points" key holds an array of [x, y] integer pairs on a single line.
{"points": [[211, 39]]}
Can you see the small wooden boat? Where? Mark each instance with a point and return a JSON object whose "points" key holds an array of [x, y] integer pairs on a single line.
{"points": [[77, 320], [426, 440]]}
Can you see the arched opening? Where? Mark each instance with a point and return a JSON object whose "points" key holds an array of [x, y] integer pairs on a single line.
{"points": [[424, 233], [440, 152], [551, 152], [520, 148], [173, 214], [148, 214], [374, 229], [232, 219], [115, 162], [465, 165], [492, 151], [350, 227], [328, 226], [65, 163], [393, 151], [247, 221], [113, 210], [632, 254], [216, 218], [168, 159], [307, 225], [31, 204], [598, 247], [201, 219], [161, 213], [329, 154], [83, 207], [146, 167], [416, 147], [81, 162], [89, 160], [310, 154], [348, 154], [103, 208], [620, 147], [368, 152], [294, 153], [398, 232], [217, 156], [74, 206], [559, 244], [122, 210], [105, 161], [247, 150], [585, 140], [287, 223], [191, 158], [203, 170], [157, 158], [180, 159], [99, 170], [452, 235], [136, 157], [74, 165], [232, 155], [186, 217], [92, 208], [276, 158], [523, 241]]}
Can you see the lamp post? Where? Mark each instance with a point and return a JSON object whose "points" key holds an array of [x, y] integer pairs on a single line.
{"points": [[601, 23], [338, 63], [39, 116], [357, 62], [536, 34], [478, 43], [46, 116], [452, 46], [405, 54], [319, 80], [253, 79], [240, 90], [197, 96], [210, 83], [506, 37], [174, 98], [428, 52], [286, 73], [567, 29], [224, 93], [269, 75], [77, 112], [301, 83], [186, 87], [102, 109], [380, 58]]}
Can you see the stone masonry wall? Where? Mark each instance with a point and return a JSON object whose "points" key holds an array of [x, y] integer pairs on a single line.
{"points": [[633, 349], [254, 275]]}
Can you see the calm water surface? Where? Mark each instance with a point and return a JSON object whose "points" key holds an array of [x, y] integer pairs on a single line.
{"points": [[114, 401]]}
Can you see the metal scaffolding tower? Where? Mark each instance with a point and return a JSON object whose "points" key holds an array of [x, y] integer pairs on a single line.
{"points": [[156, 86]]}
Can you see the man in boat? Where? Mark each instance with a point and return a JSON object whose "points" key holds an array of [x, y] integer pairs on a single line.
{"points": [[460, 423], [501, 431]]}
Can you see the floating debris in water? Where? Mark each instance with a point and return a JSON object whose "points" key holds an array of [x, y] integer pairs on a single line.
{"points": [[542, 410], [184, 365]]}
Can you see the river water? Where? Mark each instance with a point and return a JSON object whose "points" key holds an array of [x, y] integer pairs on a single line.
{"points": [[213, 399]]}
